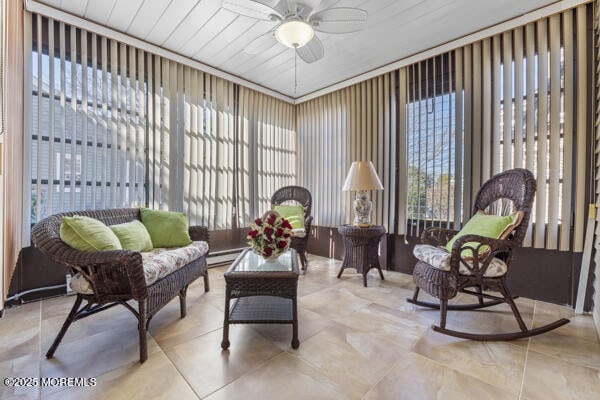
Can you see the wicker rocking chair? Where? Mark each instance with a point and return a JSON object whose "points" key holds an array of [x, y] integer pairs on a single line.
{"points": [[486, 271], [303, 197]]}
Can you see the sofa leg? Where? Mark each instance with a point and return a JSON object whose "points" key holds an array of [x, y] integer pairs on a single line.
{"points": [[182, 305], [206, 285], [70, 319], [142, 330]]}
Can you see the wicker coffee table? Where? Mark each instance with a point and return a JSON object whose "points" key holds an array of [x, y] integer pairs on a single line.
{"points": [[262, 292]]}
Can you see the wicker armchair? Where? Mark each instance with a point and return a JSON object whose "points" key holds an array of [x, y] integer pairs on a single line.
{"points": [[485, 271], [304, 198], [116, 276]]}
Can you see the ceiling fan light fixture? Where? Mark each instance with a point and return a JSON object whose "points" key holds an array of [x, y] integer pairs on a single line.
{"points": [[294, 33]]}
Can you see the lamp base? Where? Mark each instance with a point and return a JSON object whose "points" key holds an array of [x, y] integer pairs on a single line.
{"points": [[362, 209]]}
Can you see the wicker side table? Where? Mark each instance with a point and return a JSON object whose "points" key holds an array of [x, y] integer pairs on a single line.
{"points": [[361, 249]]}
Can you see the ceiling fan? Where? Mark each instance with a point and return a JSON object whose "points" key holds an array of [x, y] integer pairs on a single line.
{"points": [[296, 24]]}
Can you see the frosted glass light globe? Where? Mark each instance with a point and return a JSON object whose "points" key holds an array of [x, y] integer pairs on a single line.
{"points": [[294, 33]]}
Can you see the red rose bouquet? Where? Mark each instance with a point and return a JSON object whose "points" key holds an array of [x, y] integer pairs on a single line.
{"points": [[270, 235]]}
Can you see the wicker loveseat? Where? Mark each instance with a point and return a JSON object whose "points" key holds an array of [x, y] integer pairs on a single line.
{"points": [[116, 277]]}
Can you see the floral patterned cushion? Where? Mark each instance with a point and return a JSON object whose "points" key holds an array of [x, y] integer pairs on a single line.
{"points": [[158, 263], [440, 258]]}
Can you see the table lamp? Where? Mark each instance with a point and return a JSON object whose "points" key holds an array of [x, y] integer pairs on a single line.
{"points": [[362, 177]]}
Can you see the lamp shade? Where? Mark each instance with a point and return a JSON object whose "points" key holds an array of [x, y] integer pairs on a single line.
{"points": [[294, 33], [362, 176]]}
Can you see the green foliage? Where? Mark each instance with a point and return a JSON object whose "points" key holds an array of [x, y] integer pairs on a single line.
{"points": [[429, 198], [418, 182]]}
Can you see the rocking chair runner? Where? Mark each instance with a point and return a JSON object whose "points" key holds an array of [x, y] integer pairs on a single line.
{"points": [[452, 272]]}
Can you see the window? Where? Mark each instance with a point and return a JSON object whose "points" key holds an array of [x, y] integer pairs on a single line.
{"points": [[430, 135], [115, 126], [87, 122]]}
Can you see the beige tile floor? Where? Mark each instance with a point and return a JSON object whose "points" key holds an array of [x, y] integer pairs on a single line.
{"points": [[356, 343]]}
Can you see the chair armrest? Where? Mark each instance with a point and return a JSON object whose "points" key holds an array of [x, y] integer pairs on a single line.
{"points": [[112, 273], [496, 245], [199, 233], [479, 263], [437, 236]]}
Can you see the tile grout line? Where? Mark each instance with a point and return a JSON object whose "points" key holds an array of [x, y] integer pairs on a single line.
{"points": [[136, 362], [439, 364], [305, 339], [390, 370], [226, 384], [456, 368], [538, 307], [330, 382], [163, 349], [96, 376], [245, 373], [178, 371], [527, 354]]}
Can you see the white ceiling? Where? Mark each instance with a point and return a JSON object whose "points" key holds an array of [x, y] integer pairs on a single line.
{"points": [[203, 31]]}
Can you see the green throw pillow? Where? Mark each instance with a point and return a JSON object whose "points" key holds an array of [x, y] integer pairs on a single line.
{"points": [[88, 234], [166, 228], [482, 224], [133, 236], [294, 215]]}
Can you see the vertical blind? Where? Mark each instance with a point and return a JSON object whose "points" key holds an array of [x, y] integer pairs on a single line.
{"points": [[512, 100], [266, 151], [430, 137], [596, 158], [190, 143], [88, 116], [324, 139], [526, 106], [115, 126], [356, 123], [13, 229], [449, 123]]}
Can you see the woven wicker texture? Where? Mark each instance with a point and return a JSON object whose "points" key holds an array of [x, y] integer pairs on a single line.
{"points": [[518, 186], [438, 283], [509, 191], [261, 297], [304, 198], [261, 310], [361, 249], [116, 276]]}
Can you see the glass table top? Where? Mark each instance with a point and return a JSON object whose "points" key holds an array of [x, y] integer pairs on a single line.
{"points": [[252, 262]]}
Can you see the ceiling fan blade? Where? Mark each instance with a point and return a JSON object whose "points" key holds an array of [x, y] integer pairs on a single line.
{"points": [[262, 43], [304, 8], [338, 20], [312, 51], [293, 8], [290, 5], [258, 9]]}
